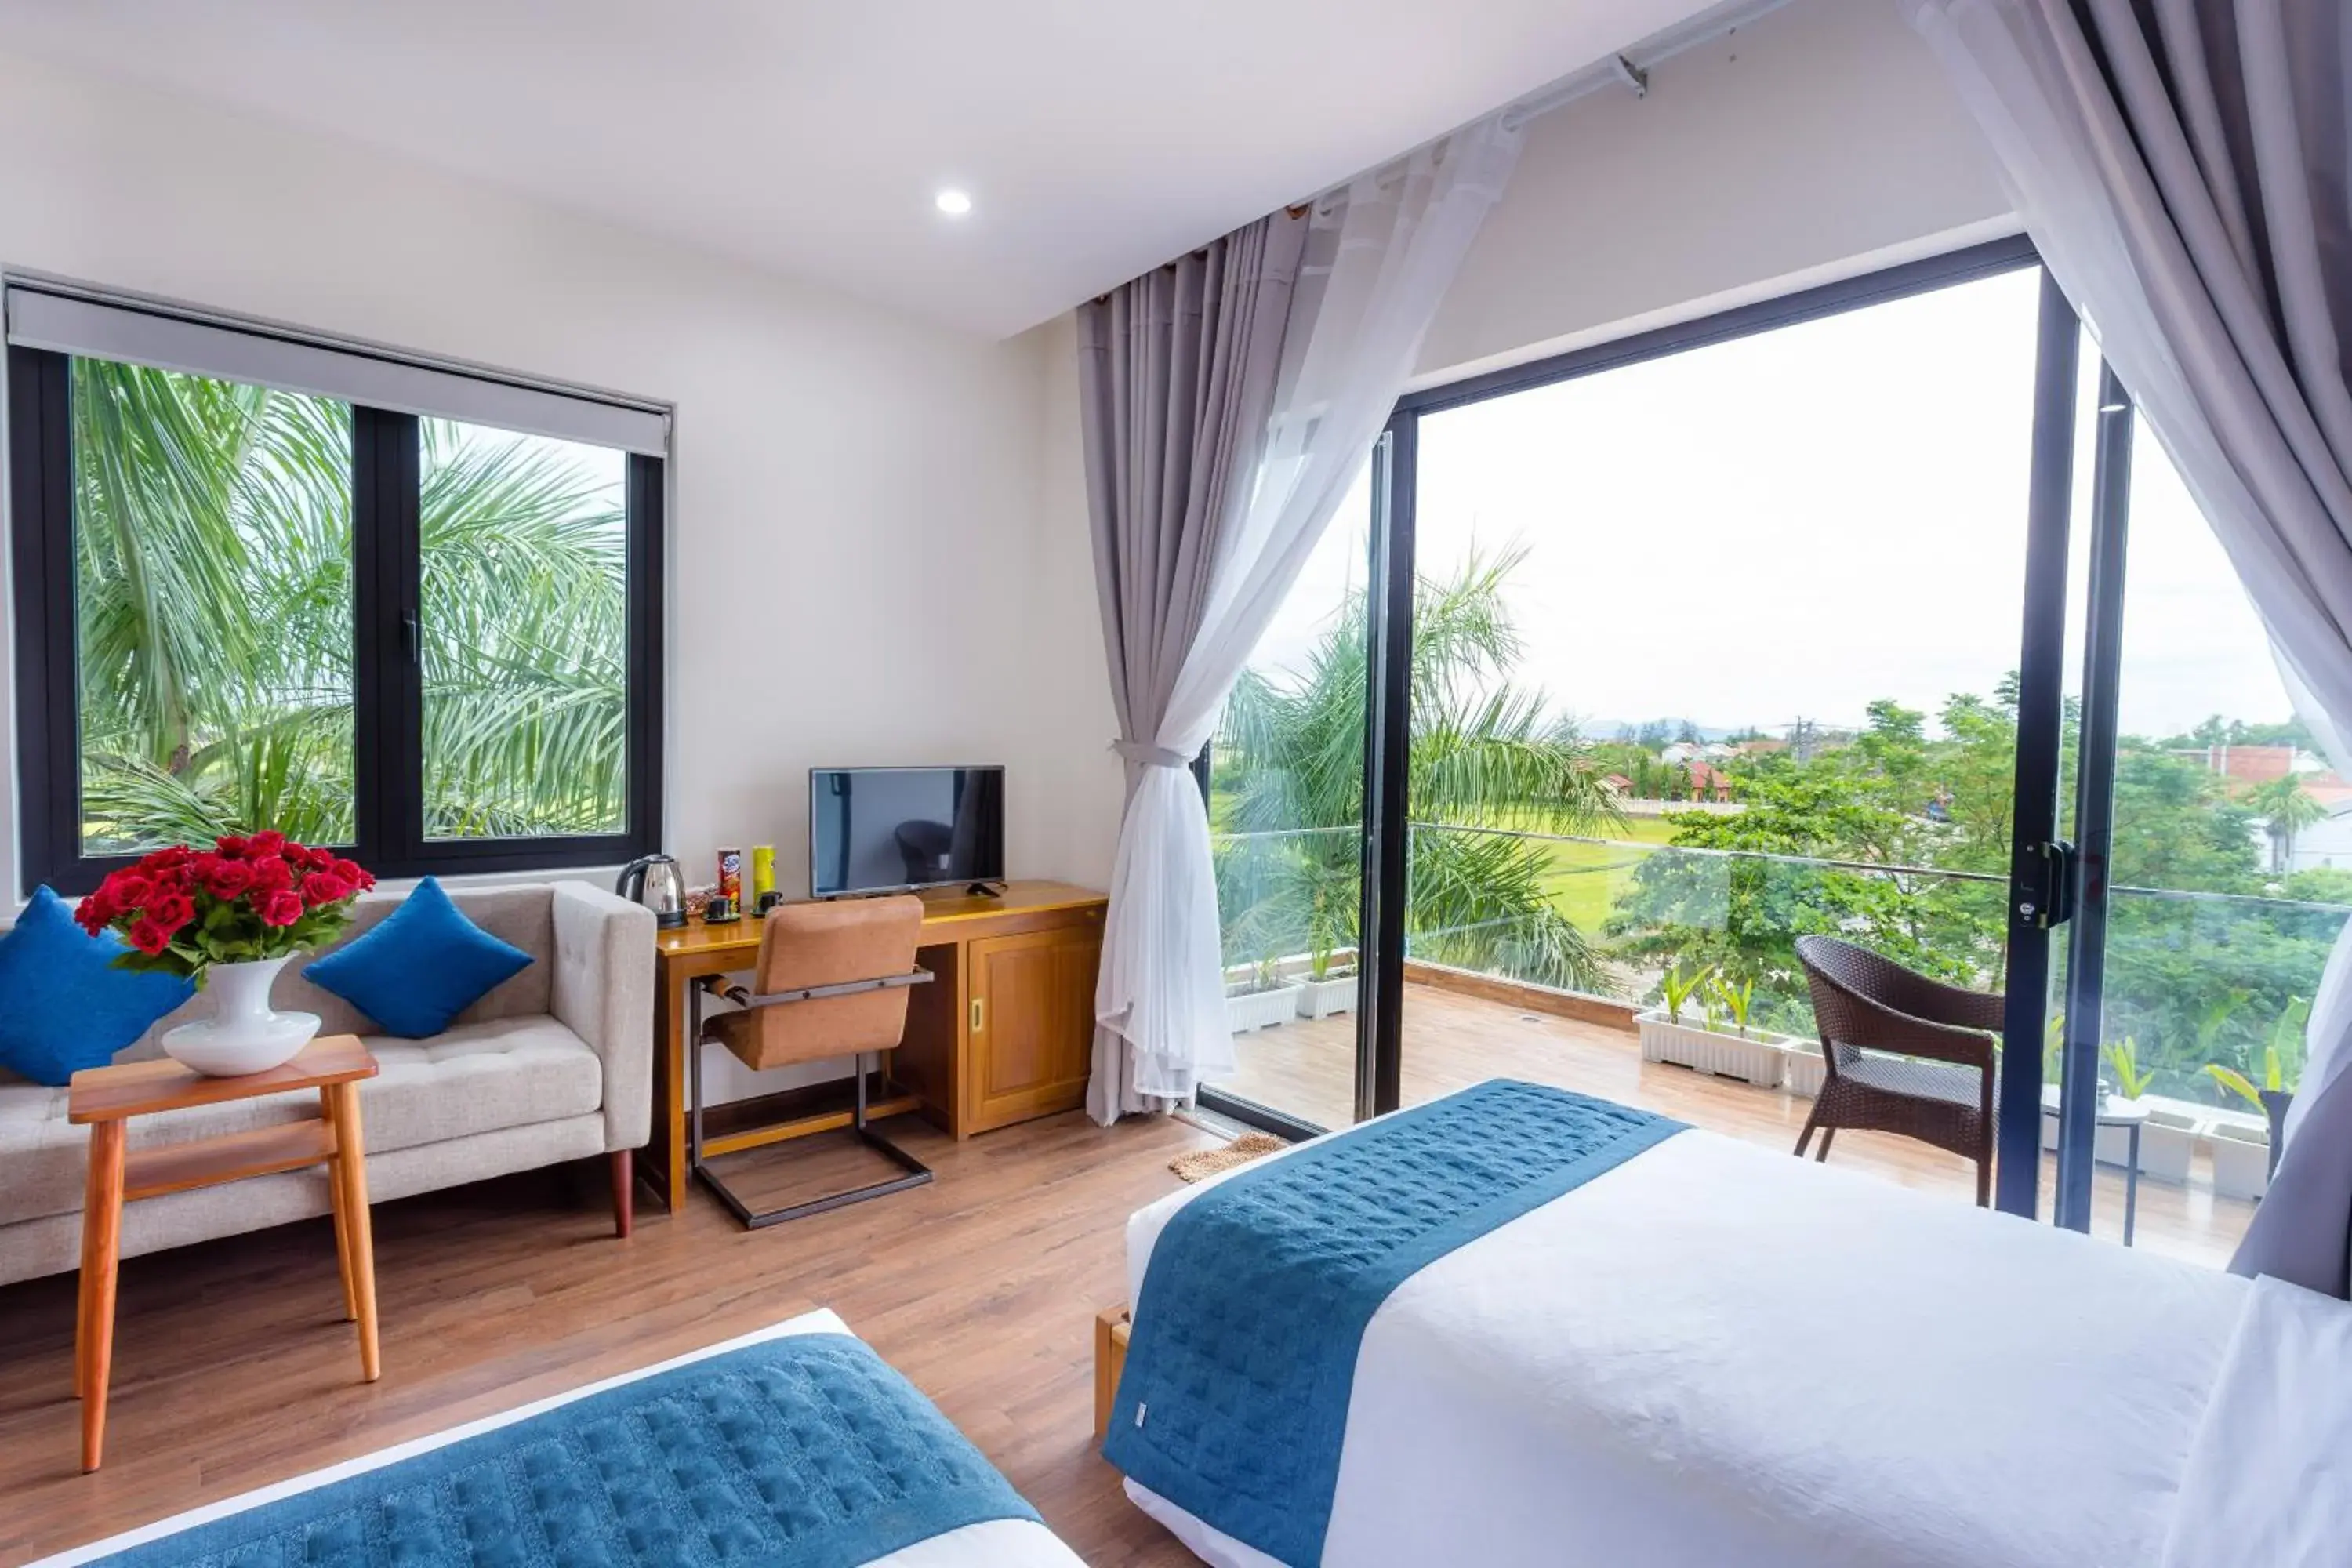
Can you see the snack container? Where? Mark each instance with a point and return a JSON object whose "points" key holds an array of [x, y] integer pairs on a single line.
{"points": [[730, 875], [763, 870]]}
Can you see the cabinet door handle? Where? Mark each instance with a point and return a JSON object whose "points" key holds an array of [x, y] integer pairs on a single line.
{"points": [[977, 1004]]}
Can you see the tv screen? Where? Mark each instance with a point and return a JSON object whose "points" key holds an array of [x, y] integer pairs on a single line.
{"points": [[880, 829]]}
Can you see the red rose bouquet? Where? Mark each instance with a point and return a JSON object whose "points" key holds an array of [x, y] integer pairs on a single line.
{"points": [[243, 900]]}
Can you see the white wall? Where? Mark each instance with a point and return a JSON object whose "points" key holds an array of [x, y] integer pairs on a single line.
{"points": [[867, 564], [1820, 142]]}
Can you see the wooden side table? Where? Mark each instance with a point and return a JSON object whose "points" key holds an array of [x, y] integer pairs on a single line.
{"points": [[106, 1099]]}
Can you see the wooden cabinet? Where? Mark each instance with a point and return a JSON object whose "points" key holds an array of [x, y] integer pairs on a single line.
{"points": [[1031, 1017]]}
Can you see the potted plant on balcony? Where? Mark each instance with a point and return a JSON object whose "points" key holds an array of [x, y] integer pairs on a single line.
{"points": [[2166, 1138], [2245, 1157], [1741, 1052], [1331, 985], [1261, 999]]}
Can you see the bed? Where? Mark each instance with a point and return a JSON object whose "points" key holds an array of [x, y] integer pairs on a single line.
{"points": [[1703, 1353], [511, 1497]]}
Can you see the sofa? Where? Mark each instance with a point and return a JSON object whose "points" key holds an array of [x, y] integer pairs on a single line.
{"points": [[554, 1064]]}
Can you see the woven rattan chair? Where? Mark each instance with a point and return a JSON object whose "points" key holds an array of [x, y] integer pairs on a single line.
{"points": [[1863, 1000]]}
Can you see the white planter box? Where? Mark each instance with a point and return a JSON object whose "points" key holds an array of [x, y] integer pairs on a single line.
{"points": [[1758, 1059], [2165, 1144], [1261, 1009], [1805, 1071], [1322, 998], [2242, 1160]]}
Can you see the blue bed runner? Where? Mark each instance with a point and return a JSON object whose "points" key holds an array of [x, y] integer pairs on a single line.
{"points": [[1243, 1357], [806, 1450]]}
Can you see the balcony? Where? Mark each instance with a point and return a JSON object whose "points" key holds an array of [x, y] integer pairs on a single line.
{"points": [[2193, 979]]}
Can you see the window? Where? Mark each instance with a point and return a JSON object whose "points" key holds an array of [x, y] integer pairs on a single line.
{"points": [[245, 602], [523, 618]]}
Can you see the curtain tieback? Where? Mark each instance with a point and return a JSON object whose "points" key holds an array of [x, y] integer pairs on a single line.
{"points": [[1151, 756]]}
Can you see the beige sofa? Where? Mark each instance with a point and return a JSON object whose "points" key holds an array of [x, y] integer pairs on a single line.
{"points": [[555, 1064]]}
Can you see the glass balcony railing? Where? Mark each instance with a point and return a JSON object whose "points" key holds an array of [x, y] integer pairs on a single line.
{"points": [[2206, 993]]}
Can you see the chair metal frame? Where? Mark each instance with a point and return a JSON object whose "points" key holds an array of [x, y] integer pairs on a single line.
{"points": [[916, 1172]]}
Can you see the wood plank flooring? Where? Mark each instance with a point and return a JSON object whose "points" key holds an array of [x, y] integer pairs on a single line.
{"points": [[1452, 1040], [234, 1368]]}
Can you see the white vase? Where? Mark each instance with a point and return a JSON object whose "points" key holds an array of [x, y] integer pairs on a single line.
{"points": [[243, 1036]]}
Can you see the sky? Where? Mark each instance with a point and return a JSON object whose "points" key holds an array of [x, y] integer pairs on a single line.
{"points": [[1791, 524]]}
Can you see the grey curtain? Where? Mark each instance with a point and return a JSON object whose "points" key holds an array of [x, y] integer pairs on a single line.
{"points": [[2183, 166], [1176, 372]]}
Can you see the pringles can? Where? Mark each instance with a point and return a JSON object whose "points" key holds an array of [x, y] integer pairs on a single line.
{"points": [[730, 876], [763, 871]]}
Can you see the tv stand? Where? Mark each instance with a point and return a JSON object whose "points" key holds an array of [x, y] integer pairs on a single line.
{"points": [[983, 890]]}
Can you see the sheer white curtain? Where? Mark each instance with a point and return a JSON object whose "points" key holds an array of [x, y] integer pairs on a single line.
{"points": [[1379, 259], [2183, 168]]}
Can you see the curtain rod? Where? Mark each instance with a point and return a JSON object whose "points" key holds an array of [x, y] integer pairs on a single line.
{"points": [[1629, 67]]}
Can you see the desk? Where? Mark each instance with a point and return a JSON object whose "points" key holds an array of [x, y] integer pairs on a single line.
{"points": [[1003, 1033]]}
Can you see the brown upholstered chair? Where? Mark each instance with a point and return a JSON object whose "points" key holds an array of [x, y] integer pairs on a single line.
{"points": [[831, 981], [1862, 1000]]}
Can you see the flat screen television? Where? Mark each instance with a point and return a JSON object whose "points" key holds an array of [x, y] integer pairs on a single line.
{"points": [[880, 830]]}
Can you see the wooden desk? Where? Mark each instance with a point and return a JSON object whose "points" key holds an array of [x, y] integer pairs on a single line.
{"points": [[1003, 1033], [106, 1099]]}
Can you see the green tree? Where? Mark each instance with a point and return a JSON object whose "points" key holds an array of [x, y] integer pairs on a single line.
{"points": [[212, 560], [2286, 808], [1483, 756]]}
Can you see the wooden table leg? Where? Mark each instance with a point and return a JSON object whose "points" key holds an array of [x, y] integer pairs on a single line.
{"points": [[669, 1086], [86, 1284], [342, 1221], [350, 1169], [102, 1223]]}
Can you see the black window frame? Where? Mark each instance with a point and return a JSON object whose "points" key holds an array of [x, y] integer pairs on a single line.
{"points": [[387, 673]]}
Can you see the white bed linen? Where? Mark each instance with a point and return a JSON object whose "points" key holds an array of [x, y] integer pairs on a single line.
{"points": [[2270, 1476], [1714, 1354], [998, 1543]]}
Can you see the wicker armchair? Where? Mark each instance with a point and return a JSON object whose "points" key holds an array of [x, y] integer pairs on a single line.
{"points": [[1863, 1000]]}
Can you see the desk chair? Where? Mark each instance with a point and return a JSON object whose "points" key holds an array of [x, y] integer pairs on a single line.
{"points": [[831, 981]]}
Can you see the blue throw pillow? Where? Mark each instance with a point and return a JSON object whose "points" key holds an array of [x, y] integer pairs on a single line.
{"points": [[420, 966], [63, 1005]]}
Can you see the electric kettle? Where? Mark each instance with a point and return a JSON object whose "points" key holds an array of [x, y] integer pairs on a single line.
{"points": [[654, 881]]}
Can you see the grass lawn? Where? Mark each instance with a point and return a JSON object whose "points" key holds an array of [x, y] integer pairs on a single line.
{"points": [[1586, 879]]}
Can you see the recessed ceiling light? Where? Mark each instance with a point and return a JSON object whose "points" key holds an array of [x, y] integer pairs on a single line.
{"points": [[953, 202]]}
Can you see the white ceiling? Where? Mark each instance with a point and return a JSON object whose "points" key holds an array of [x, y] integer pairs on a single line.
{"points": [[1097, 137]]}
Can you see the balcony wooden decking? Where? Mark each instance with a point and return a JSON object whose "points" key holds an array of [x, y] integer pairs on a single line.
{"points": [[1307, 1069]]}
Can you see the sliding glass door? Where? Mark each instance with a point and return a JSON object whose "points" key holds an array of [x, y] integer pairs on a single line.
{"points": [[1872, 614], [1286, 783], [1716, 648], [2215, 877]]}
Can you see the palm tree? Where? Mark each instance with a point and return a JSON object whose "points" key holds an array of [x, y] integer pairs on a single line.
{"points": [[2286, 808], [1483, 755], [214, 559]]}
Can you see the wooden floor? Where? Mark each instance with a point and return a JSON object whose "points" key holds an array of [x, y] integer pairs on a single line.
{"points": [[1450, 1040], [233, 1368]]}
